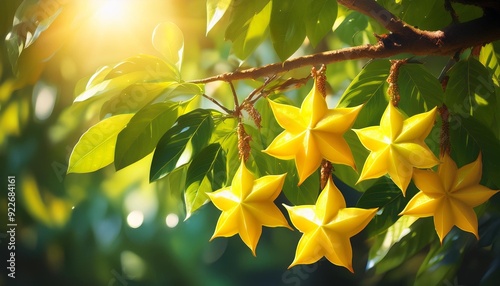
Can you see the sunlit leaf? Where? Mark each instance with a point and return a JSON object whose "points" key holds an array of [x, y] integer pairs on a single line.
{"points": [[420, 235], [134, 70], [169, 41], [248, 26], [287, 25], [489, 146], [368, 85], [319, 19], [142, 133], [419, 13], [182, 142], [354, 23], [384, 241], [98, 77], [490, 59], [133, 98], [420, 91], [206, 173], [157, 68], [215, 10], [225, 134], [39, 31], [182, 89], [95, 149], [471, 92], [111, 87]]}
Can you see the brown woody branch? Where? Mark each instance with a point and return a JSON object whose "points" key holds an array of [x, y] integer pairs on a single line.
{"points": [[403, 38]]}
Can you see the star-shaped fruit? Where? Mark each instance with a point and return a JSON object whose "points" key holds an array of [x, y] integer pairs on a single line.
{"points": [[312, 133], [247, 205], [327, 228], [449, 195], [397, 145]]}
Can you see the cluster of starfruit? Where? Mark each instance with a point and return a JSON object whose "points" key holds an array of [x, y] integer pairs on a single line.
{"points": [[314, 133]]}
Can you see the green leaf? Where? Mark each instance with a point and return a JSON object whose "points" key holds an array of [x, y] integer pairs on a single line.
{"points": [[386, 196], [134, 97], [225, 134], [443, 261], [320, 19], [140, 69], [288, 29], [39, 30], [182, 89], [489, 145], [420, 235], [470, 92], [368, 88], [420, 91], [158, 69], [490, 59], [182, 142], [248, 26], [206, 173], [143, 132], [384, 241], [169, 41], [98, 77], [354, 23], [174, 184], [425, 14], [307, 192], [215, 10], [111, 87], [95, 149]]}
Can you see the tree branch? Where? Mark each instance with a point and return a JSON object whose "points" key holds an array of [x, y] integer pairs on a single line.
{"points": [[403, 39], [375, 11]]}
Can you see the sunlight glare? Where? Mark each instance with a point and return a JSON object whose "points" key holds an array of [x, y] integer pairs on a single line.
{"points": [[113, 11]]}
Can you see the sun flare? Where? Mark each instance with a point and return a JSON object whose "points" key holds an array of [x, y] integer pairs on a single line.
{"points": [[111, 12]]}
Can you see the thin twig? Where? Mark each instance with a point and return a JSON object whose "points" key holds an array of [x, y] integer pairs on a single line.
{"points": [[214, 101], [235, 97], [260, 88], [453, 13]]}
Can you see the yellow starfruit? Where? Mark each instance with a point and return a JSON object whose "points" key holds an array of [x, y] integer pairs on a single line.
{"points": [[312, 133], [247, 205], [449, 196], [327, 228], [397, 146]]}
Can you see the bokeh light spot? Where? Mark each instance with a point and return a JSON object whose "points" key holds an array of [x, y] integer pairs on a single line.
{"points": [[135, 219], [172, 220]]}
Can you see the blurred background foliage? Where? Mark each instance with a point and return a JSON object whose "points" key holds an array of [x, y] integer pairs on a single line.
{"points": [[107, 227], [115, 228]]}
